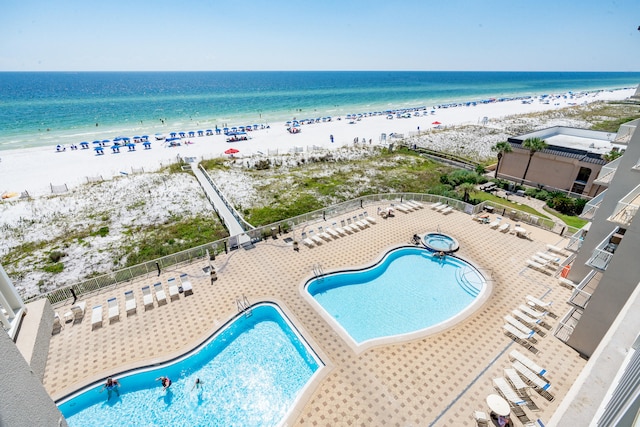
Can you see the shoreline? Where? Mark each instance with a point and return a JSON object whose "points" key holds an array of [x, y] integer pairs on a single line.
{"points": [[35, 169]]}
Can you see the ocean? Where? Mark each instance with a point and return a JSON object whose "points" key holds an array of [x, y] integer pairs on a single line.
{"points": [[50, 108]]}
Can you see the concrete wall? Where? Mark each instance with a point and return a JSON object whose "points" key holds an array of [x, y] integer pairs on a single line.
{"points": [[24, 400], [34, 336]]}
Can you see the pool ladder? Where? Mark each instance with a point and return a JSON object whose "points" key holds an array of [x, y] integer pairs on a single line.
{"points": [[318, 272], [243, 306]]}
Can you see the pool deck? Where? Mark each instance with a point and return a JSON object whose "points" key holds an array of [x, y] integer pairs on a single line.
{"points": [[438, 380]]}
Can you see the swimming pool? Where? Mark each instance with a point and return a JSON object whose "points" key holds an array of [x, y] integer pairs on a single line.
{"points": [[409, 290], [251, 371], [439, 242]]}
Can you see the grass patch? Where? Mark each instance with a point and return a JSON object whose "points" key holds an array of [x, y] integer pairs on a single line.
{"points": [[570, 220], [54, 268], [483, 196]]}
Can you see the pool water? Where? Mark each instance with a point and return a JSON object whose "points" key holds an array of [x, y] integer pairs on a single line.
{"points": [[440, 242], [408, 291], [251, 373]]}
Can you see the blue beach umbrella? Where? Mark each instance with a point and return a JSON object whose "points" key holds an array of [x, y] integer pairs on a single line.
{"points": [[97, 142]]}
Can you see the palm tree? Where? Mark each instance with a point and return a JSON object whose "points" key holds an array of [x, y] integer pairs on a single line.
{"points": [[501, 148], [611, 156], [533, 145], [467, 188]]}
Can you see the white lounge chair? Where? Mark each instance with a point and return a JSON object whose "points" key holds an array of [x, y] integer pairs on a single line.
{"points": [[536, 265], [368, 218], [361, 224], [57, 324], [436, 205], [495, 224], [113, 309], [130, 302], [307, 241], [447, 211], [326, 236], [555, 249], [346, 227], [548, 257], [515, 379], [531, 312], [481, 418], [519, 325], [96, 317], [161, 297], [531, 376], [332, 232], [174, 290], [515, 332], [401, 208], [316, 239], [535, 368], [354, 227], [364, 220], [442, 208], [78, 311], [567, 283], [341, 231], [537, 302], [525, 318], [504, 227], [542, 261], [408, 207], [187, 288], [147, 297], [416, 204], [509, 393]]}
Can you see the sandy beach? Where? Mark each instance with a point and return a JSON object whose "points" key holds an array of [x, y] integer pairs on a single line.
{"points": [[35, 170]]}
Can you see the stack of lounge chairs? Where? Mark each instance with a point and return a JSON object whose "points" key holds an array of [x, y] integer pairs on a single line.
{"points": [[328, 233]]}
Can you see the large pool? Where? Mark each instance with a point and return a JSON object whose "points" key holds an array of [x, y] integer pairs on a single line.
{"points": [[409, 290], [251, 373]]}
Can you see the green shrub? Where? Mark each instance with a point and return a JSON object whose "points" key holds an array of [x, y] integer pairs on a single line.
{"points": [[54, 268], [54, 256]]}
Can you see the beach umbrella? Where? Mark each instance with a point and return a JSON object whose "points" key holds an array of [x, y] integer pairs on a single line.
{"points": [[436, 123], [97, 142], [231, 151]]}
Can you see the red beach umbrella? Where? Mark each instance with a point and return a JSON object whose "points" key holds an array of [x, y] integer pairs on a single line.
{"points": [[231, 151], [436, 123]]}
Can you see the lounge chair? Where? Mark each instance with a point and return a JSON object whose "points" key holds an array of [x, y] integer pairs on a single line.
{"points": [[447, 211], [544, 262], [481, 418], [520, 337], [307, 241], [436, 205], [509, 393], [530, 364], [161, 297], [174, 290], [360, 222], [519, 325], [401, 208], [326, 236], [354, 227], [567, 283], [78, 311], [504, 227], [515, 380], [408, 207], [538, 303], [555, 249], [147, 297], [346, 227], [530, 376], [416, 204], [57, 324], [187, 288], [341, 231], [531, 312], [536, 265], [548, 257], [333, 233], [368, 218], [129, 302], [495, 223], [527, 320], [316, 239], [96, 317], [113, 309], [442, 208]]}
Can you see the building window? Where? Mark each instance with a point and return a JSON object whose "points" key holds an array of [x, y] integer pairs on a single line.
{"points": [[583, 175]]}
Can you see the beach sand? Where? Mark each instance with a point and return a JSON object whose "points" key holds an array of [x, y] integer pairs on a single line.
{"points": [[34, 170]]}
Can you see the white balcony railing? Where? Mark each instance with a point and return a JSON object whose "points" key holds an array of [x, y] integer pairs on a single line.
{"points": [[592, 206], [576, 240], [626, 208], [603, 253], [607, 172]]}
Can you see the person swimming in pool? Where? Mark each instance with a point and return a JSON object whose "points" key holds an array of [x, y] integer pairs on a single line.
{"points": [[111, 385], [166, 382], [197, 384]]}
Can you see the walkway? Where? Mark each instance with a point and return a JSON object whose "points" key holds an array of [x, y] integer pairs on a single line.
{"points": [[229, 220]]}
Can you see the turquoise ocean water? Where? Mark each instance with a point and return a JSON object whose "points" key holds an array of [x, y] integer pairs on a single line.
{"points": [[49, 108]]}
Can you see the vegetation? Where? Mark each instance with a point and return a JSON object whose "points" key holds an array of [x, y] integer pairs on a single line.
{"points": [[611, 155], [614, 124], [533, 145], [501, 148]]}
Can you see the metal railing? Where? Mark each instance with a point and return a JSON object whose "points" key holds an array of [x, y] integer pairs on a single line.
{"points": [[591, 207], [626, 208], [128, 274], [603, 253], [607, 172]]}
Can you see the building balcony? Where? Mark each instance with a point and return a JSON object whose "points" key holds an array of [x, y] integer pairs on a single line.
{"points": [[607, 172], [592, 206], [626, 208], [603, 253], [576, 240]]}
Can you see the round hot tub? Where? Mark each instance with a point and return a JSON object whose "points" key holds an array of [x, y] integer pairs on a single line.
{"points": [[439, 242]]}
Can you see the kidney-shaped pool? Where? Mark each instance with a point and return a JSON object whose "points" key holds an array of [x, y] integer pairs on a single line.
{"points": [[410, 290]]}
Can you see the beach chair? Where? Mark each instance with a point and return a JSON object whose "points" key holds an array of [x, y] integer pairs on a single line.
{"points": [[416, 204], [504, 227], [78, 311], [442, 208], [360, 224], [187, 288], [129, 302], [57, 324], [516, 381], [408, 207], [147, 297], [401, 208], [555, 249], [326, 236], [481, 418], [550, 258], [538, 303], [161, 297], [341, 231], [519, 325], [447, 211], [520, 337], [366, 216], [531, 312], [541, 386], [507, 392], [174, 290], [567, 283], [535, 323], [307, 241], [346, 227], [530, 364], [96, 317], [354, 227], [436, 205], [113, 309], [333, 233], [496, 223], [363, 220], [316, 239]]}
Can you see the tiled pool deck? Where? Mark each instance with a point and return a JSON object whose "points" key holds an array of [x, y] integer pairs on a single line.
{"points": [[436, 380]]}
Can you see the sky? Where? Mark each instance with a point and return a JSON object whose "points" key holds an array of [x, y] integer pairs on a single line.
{"points": [[216, 35]]}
